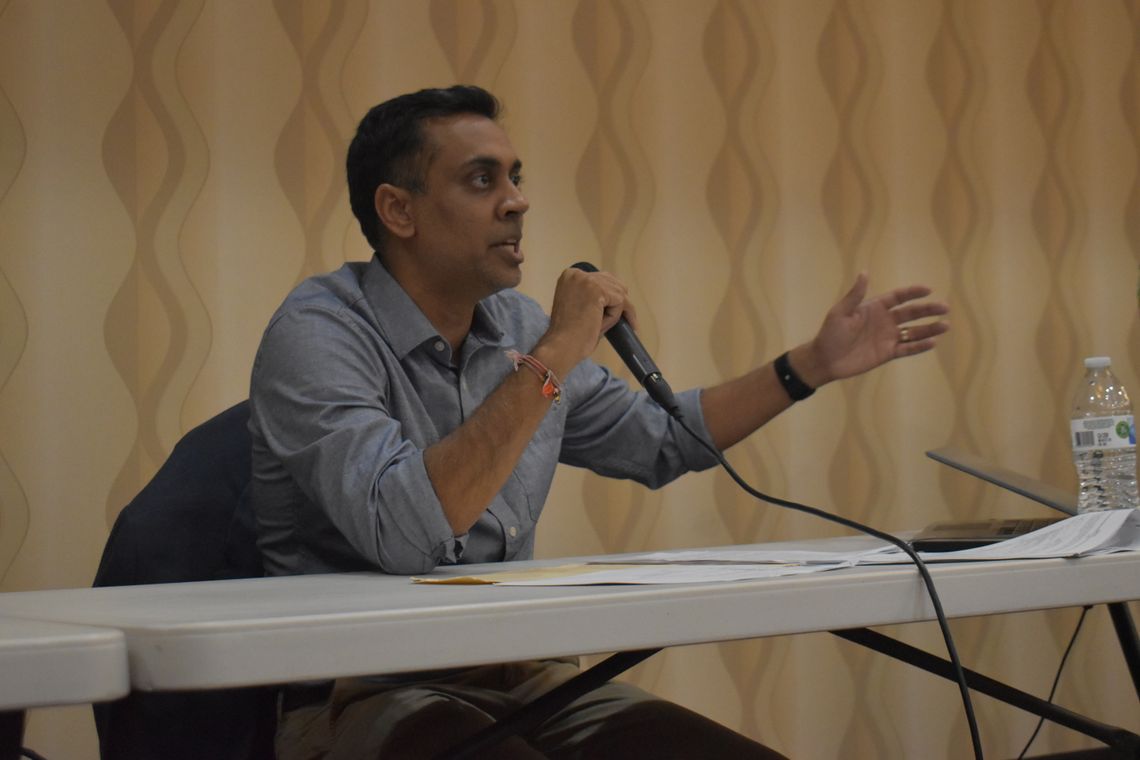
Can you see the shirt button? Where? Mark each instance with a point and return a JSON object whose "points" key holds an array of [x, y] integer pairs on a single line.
{"points": [[439, 345], [513, 531]]}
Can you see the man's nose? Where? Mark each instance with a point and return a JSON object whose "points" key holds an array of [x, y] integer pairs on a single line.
{"points": [[515, 203]]}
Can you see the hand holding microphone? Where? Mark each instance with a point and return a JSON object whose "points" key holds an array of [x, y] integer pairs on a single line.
{"points": [[629, 347]]}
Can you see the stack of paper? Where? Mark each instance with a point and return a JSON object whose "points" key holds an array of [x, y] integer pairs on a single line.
{"points": [[1114, 530], [1080, 536]]}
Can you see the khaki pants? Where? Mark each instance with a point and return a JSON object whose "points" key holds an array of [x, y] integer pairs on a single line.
{"points": [[361, 719]]}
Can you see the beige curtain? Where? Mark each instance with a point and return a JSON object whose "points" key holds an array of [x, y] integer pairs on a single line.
{"points": [[170, 168]]}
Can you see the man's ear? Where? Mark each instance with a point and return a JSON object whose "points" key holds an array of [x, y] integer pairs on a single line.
{"points": [[394, 208]]}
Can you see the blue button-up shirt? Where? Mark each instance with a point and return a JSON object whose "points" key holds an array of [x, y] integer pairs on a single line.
{"points": [[351, 383]]}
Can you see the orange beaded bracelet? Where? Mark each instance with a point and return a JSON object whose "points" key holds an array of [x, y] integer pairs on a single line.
{"points": [[551, 387]]}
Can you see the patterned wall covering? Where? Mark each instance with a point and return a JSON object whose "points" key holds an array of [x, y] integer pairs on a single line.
{"points": [[170, 168]]}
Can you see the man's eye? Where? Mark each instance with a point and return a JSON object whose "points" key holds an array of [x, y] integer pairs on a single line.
{"points": [[517, 179], [482, 180]]}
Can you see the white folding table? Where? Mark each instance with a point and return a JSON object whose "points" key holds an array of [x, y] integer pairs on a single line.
{"points": [[47, 663], [274, 630]]}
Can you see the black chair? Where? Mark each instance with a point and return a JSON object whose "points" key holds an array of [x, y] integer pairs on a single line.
{"points": [[192, 522]]}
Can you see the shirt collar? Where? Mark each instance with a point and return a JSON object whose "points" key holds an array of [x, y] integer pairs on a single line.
{"points": [[403, 324]]}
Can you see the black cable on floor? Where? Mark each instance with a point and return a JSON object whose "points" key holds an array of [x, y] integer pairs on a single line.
{"points": [[959, 675], [1056, 678]]}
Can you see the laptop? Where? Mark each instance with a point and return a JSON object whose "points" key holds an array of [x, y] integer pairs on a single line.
{"points": [[951, 536]]}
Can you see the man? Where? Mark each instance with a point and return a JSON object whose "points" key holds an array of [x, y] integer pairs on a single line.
{"points": [[410, 411]]}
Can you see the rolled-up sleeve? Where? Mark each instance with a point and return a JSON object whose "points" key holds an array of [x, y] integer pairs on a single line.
{"points": [[617, 432], [322, 409]]}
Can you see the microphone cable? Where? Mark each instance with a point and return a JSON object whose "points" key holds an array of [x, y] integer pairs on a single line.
{"points": [[633, 353], [959, 674], [1056, 679]]}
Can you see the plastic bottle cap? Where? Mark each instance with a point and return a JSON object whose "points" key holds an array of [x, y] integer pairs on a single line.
{"points": [[1096, 362]]}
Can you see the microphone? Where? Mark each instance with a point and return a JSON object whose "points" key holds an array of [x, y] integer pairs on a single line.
{"points": [[628, 346]]}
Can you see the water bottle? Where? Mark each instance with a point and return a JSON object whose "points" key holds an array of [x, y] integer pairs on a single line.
{"points": [[1104, 440]]}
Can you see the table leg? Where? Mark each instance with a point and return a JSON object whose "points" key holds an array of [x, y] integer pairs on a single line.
{"points": [[1113, 736], [11, 733], [1129, 643]]}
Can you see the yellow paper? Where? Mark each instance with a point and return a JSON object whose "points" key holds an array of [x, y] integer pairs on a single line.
{"points": [[534, 574]]}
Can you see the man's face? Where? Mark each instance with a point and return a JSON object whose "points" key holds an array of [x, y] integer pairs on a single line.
{"points": [[469, 219]]}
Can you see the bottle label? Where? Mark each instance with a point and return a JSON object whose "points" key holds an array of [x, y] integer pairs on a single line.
{"points": [[1091, 433]]}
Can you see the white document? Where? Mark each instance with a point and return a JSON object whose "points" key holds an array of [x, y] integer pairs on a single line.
{"points": [[592, 575], [596, 574], [1083, 535], [1114, 530], [752, 555]]}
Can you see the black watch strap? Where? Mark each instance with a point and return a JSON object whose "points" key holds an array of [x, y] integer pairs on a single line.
{"points": [[797, 389]]}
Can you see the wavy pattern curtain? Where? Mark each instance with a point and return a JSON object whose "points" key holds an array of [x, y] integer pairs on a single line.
{"points": [[170, 168]]}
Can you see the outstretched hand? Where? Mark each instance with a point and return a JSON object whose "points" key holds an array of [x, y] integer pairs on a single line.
{"points": [[858, 335]]}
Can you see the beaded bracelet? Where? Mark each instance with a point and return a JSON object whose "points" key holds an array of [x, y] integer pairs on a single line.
{"points": [[551, 387]]}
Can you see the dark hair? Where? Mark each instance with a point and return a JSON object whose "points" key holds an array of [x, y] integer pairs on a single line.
{"points": [[389, 146]]}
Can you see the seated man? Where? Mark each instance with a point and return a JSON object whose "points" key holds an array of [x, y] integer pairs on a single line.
{"points": [[410, 411]]}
